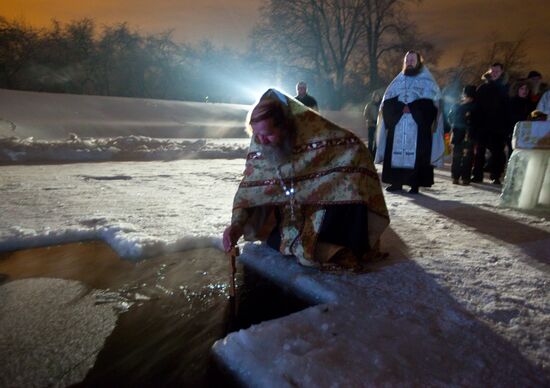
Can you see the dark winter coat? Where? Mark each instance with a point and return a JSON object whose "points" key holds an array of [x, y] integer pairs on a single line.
{"points": [[308, 101], [462, 119], [493, 108], [520, 109]]}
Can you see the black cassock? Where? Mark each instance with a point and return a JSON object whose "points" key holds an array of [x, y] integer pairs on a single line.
{"points": [[424, 114]]}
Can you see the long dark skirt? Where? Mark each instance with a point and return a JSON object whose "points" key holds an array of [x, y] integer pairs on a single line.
{"points": [[424, 114]]}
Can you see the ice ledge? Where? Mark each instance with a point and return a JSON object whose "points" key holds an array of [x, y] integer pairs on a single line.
{"points": [[393, 326]]}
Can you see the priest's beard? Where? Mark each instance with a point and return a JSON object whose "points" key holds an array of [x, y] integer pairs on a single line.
{"points": [[278, 154], [412, 71]]}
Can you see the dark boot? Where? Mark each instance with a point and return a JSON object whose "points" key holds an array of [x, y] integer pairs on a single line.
{"points": [[392, 188]]}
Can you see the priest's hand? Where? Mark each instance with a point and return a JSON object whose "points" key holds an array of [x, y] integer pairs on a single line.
{"points": [[231, 235]]}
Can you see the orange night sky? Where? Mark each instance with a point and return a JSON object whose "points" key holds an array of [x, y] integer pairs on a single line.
{"points": [[453, 25]]}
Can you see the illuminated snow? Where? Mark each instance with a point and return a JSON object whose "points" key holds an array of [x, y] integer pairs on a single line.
{"points": [[464, 301]]}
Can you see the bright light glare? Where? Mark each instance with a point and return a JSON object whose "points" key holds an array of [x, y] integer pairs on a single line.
{"points": [[257, 91]]}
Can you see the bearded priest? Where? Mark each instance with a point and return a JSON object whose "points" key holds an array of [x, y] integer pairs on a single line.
{"points": [[410, 128], [309, 188]]}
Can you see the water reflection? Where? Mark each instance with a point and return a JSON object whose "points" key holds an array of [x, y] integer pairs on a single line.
{"points": [[172, 309]]}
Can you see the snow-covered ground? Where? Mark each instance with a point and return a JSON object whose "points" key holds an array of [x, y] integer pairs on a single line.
{"points": [[48, 127], [14, 150], [463, 300], [141, 209], [53, 116]]}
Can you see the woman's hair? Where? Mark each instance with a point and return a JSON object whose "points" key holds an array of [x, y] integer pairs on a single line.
{"points": [[514, 90]]}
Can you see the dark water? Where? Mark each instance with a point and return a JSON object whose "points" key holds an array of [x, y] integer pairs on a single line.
{"points": [[163, 343], [179, 308]]}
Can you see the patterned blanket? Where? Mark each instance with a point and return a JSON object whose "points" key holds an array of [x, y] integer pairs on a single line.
{"points": [[329, 166]]}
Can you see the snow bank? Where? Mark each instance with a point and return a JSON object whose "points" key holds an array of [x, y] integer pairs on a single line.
{"points": [[48, 127], [139, 209], [49, 116], [125, 239], [138, 148], [464, 300]]}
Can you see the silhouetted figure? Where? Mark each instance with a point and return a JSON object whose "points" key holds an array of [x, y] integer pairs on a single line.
{"points": [[521, 107], [462, 121], [494, 124], [304, 98], [370, 114], [536, 86]]}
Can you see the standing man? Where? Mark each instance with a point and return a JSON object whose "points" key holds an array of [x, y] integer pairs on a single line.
{"points": [[304, 98], [370, 114], [494, 123], [462, 120], [406, 125]]}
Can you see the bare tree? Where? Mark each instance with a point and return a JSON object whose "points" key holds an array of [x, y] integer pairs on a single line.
{"points": [[511, 53], [336, 40], [63, 57], [17, 46], [472, 64], [161, 74], [120, 59], [317, 36], [386, 31]]}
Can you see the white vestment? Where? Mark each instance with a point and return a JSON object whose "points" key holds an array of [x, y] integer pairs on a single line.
{"points": [[408, 89], [544, 103]]}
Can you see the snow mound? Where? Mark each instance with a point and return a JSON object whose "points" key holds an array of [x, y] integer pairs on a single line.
{"points": [[128, 148]]}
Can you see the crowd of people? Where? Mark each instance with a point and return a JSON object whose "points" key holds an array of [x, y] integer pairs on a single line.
{"points": [[481, 124], [485, 119]]}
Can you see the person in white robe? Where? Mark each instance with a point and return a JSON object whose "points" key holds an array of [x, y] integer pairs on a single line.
{"points": [[410, 128]]}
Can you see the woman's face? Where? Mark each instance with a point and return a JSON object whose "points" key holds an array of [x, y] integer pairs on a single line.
{"points": [[523, 91]]}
